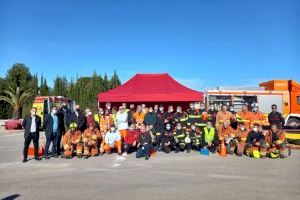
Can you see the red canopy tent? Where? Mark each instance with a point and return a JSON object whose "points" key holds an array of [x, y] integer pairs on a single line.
{"points": [[151, 88]]}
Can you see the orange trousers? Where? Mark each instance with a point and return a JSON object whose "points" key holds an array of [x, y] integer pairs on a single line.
{"points": [[68, 152], [93, 150], [118, 146], [123, 133]]}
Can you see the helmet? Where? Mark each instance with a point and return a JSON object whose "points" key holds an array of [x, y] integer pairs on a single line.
{"points": [[256, 154], [274, 155], [73, 125], [254, 105]]}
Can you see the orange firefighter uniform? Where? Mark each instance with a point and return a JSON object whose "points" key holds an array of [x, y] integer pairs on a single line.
{"points": [[241, 138], [139, 118], [259, 118], [90, 142], [228, 135], [276, 141], [71, 142], [245, 117], [223, 116]]}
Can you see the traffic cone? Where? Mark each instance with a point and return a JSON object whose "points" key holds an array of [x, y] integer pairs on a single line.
{"points": [[223, 152]]}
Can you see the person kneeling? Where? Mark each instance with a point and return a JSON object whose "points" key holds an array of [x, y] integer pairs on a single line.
{"points": [[256, 143], [131, 139], [210, 138], [90, 141], [113, 140], [144, 140], [276, 142], [72, 141], [182, 139]]}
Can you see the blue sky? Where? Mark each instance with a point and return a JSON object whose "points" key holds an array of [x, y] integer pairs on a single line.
{"points": [[202, 43]]}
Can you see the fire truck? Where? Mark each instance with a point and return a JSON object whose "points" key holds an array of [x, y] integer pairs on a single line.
{"points": [[284, 93]]}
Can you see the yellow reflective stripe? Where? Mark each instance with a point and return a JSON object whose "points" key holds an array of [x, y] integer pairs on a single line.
{"points": [[194, 116]]}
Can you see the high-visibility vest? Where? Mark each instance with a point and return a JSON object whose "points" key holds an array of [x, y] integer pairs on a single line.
{"points": [[209, 135]]}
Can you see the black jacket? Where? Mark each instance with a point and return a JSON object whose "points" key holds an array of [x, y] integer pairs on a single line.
{"points": [[80, 121], [63, 116], [276, 118], [144, 138], [255, 137], [27, 124], [48, 125]]}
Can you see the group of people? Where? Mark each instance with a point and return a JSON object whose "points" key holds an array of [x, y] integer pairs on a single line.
{"points": [[143, 129]]}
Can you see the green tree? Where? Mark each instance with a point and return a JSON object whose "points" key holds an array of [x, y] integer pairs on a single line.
{"points": [[114, 81], [44, 89], [60, 86]]}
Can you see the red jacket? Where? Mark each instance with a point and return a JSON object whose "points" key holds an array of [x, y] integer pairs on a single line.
{"points": [[131, 136]]}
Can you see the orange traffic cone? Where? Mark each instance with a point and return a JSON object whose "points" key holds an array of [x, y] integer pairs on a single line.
{"points": [[223, 152]]}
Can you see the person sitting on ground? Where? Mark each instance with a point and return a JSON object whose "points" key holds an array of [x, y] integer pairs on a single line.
{"points": [[72, 141], [242, 134], [131, 139], [113, 140], [182, 139], [210, 138], [195, 135], [144, 141], [167, 139], [256, 141], [227, 134], [276, 142], [90, 140]]}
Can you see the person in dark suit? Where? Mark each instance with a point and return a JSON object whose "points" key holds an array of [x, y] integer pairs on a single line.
{"points": [[52, 132], [78, 117], [31, 124], [63, 116]]}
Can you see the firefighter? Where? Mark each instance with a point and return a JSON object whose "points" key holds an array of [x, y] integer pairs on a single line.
{"points": [[90, 141], [256, 142], [113, 140], [151, 119], [139, 116], [166, 140], [242, 134], [169, 115], [257, 116], [195, 135], [159, 126], [223, 115], [276, 117], [210, 138], [72, 141], [105, 122], [195, 117], [245, 116], [227, 134], [182, 139], [180, 116], [275, 141]]}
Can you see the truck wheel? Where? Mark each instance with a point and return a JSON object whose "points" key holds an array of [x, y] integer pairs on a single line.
{"points": [[293, 123]]}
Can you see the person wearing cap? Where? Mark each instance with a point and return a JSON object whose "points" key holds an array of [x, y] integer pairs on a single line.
{"points": [[166, 142], [113, 140], [139, 116], [276, 142], [131, 139], [227, 134], [209, 138], [51, 125], [242, 134], [122, 121], [180, 116], [257, 116], [144, 143], [182, 139], [195, 135], [245, 116], [224, 115], [90, 141], [72, 141], [256, 142]]}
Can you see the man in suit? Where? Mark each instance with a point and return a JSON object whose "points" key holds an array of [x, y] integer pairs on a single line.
{"points": [[31, 124], [52, 132], [78, 118], [63, 116]]}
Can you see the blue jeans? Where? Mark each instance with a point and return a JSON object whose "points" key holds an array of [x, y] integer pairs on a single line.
{"points": [[143, 151], [53, 137]]}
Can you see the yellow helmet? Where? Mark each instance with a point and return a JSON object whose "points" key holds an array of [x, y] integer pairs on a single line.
{"points": [[73, 125], [274, 155], [256, 154]]}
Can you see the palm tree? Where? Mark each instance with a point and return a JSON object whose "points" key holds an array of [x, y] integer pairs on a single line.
{"points": [[17, 97]]}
